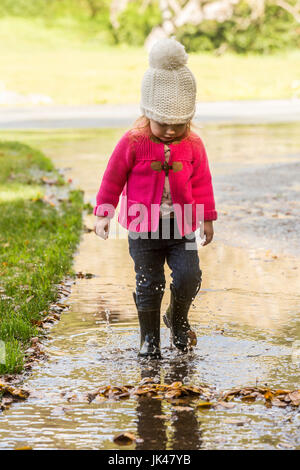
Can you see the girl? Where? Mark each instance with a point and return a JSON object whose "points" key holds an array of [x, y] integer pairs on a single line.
{"points": [[161, 168]]}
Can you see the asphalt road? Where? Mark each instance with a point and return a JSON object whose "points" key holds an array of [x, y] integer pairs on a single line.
{"points": [[101, 116]]}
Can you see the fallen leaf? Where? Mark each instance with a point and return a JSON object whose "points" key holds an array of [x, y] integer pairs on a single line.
{"points": [[176, 385], [124, 439], [173, 394], [225, 404], [277, 402], [285, 445], [23, 448], [268, 395], [295, 398], [204, 404], [182, 408]]}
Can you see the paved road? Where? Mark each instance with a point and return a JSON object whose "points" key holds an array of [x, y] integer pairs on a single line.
{"points": [[101, 116]]}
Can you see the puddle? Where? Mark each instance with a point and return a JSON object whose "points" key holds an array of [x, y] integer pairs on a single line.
{"points": [[246, 317]]}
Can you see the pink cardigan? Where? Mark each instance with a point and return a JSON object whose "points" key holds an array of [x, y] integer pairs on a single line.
{"points": [[134, 169]]}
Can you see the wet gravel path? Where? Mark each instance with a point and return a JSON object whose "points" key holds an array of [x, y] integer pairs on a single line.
{"points": [[260, 207]]}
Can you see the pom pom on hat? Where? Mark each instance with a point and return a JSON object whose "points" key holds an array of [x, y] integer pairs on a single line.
{"points": [[167, 54]]}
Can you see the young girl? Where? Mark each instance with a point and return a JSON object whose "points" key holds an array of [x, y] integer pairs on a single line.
{"points": [[161, 168]]}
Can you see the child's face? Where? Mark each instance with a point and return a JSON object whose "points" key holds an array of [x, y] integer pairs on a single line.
{"points": [[167, 132]]}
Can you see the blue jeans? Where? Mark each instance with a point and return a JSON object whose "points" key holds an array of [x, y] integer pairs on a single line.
{"points": [[149, 256]]}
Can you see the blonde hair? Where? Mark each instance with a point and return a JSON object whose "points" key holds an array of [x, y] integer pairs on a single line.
{"points": [[141, 126]]}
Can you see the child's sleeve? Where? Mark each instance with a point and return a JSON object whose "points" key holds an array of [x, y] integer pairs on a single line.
{"points": [[114, 177], [202, 183]]}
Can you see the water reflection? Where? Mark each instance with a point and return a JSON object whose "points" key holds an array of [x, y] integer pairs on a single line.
{"points": [[181, 430]]}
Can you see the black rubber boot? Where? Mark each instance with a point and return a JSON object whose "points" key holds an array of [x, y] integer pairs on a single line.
{"points": [[176, 318], [150, 332]]}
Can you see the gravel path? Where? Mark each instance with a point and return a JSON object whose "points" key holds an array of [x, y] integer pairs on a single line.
{"points": [[260, 207]]}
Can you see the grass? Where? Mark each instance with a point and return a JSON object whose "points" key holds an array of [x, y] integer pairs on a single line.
{"points": [[37, 241], [73, 67]]}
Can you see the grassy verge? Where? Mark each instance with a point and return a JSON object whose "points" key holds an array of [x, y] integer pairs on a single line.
{"points": [[40, 225], [75, 68]]}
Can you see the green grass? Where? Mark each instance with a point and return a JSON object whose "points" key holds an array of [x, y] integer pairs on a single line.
{"points": [[71, 66], [37, 241]]}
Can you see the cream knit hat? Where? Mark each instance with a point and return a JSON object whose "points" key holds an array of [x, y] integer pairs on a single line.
{"points": [[168, 92]]}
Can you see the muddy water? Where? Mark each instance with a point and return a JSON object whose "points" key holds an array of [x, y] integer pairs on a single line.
{"points": [[246, 317]]}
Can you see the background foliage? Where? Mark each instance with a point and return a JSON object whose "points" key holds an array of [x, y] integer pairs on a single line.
{"points": [[275, 30]]}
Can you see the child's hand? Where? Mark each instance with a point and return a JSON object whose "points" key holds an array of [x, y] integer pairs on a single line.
{"points": [[208, 232], [101, 227]]}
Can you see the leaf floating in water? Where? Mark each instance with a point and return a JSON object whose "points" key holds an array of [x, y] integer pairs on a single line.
{"points": [[280, 398], [173, 394], [277, 402], [13, 392], [183, 408], [81, 275], [268, 395], [9, 394], [294, 398], [225, 404], [179, 394], [176, 385], [204, 404], [23, 448], [124, 439]]}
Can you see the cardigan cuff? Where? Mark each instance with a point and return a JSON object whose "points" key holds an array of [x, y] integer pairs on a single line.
{"points": [[104, 210], [210, 215]]}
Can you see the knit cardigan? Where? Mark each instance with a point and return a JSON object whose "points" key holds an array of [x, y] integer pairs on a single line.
{"points": [[135, 170]]}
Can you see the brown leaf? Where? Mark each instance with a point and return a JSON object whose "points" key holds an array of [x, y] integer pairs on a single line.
{"points": [[146, 380], [124, 439], [14, 392], [176, 385], [227, 405], [142, 391], [91, 396], [192, 390], [173, 394], [248, 398], [34, 340], [124, 395], [23, 448], [295, 398], [277, 402], [204, 404], [178, 401], [183, 408], [281, 392]]}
